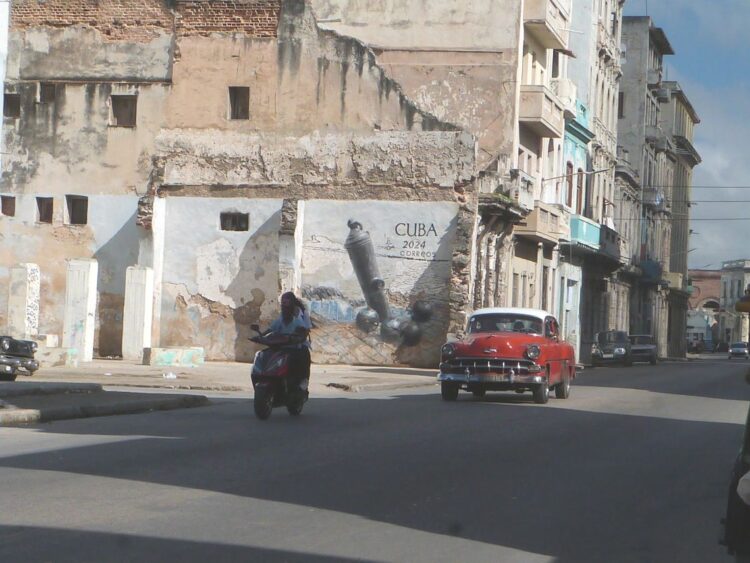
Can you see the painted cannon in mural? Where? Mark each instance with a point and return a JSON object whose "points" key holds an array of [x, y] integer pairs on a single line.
{"points": [[362, 255]]}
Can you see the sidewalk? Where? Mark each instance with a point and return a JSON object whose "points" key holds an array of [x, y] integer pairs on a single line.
{"points": [[231, 376], [96, 388]]}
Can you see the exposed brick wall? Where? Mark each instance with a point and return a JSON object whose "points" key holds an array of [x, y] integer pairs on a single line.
{"points": [[117, 20], [254, 18]]}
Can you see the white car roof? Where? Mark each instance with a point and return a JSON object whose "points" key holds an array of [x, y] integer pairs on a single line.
{"points": [[538, 313]]}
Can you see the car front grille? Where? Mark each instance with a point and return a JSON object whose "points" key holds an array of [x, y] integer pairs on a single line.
{"points": [[488, 365]]}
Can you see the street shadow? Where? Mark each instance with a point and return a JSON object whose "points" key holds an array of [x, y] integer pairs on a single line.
{"points": [[684, 378], [596, 484], [400, 371], [31, 543]]}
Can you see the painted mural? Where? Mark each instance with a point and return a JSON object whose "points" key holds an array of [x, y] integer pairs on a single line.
{"points": [[377, 278]]}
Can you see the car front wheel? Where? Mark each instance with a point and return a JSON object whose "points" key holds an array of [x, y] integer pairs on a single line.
{"points": [[541, 394], [449, 391], [562, 389]]}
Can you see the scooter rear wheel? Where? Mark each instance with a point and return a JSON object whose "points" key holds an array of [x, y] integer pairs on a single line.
{"points": [[263, 403]]}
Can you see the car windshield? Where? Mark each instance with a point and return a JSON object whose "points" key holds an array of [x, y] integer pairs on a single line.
{"points": [[612, 336], [739, 345], [505, 322], [641, 340]]}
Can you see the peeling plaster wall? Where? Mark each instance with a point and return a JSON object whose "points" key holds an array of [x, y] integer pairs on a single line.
{"points": [[217, 283], [111, 237], [409, 24]]}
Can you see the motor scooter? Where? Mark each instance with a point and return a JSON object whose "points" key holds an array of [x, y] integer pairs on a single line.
{"points": [[272, 377]]}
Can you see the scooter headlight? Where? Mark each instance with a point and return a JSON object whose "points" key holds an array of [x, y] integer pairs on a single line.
{"points": [[533, 351]]}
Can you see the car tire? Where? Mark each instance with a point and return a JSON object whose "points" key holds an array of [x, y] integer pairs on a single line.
{"points": [[541, 394], [479, 393], [652, 361], [627, 362], [562, 389], [448, 391], [9, 376]]}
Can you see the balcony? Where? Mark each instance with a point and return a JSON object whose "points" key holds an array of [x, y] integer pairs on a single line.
{"points": [[542, 225], [654, 77], [657, 137], [606, 44], [654, 197], [541, 111], [609, 243], [674, 279], [652, 271], [522, 189], [604, 136], [548, 21], [584, 232], [567, 92]]}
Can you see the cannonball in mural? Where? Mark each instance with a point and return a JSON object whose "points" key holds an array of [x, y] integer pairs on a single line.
{"points": [[411, 333], [390, 331], [367, 320], [421, 311]]}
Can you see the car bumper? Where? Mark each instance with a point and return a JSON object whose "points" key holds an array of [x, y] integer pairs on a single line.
{"points": [[11, 363], [500, 379]]}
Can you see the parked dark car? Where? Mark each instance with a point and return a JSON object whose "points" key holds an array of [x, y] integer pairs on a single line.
{"points": [[16, 355], [643, 348], [736, 534], [611, 347], [739, 350]]}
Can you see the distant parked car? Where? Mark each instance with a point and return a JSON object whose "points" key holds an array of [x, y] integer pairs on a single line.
{"points": [[739, 350], [612, 346], [643, 348], [16, 355]]}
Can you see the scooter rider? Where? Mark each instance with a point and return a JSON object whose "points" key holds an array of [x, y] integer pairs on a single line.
{"points": [[295, 321]]}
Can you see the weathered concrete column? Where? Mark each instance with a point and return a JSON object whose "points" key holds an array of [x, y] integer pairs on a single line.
{"points": [[290, 245], [80, 307], [23, 301], [138, 313]]}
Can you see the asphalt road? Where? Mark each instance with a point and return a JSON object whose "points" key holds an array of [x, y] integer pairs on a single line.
{"points": [[633, 467]]}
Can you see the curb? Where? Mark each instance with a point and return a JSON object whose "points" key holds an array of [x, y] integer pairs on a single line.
{"points": [[45, 388], [377, 386], [13, 417]]}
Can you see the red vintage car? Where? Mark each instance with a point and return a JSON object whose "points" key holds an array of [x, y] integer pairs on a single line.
{"points": [[508, 349]]}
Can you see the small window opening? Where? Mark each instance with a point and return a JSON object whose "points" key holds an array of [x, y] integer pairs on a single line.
{"points": [[78, 209], [621, 105], [46, 93], [44, 209], [8, 205], [235, 221], [124, 111], [239, 102], [12, 106]]}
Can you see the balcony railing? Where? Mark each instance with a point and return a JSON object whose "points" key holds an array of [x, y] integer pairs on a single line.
{"points": [[654, 77], [609, 243], [548, 21], [584, 232], [542, 225], [542, 111], [567, 92], [675, 280], [604, 136]]}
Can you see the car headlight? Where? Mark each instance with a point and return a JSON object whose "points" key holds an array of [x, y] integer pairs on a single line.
{"points": [[620, 351], [533, 351], [448, 351], [5, 344]]}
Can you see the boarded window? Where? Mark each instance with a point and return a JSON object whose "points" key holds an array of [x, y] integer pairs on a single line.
{"points": [[44, 209], [239, 102], [8, 205], [12, 106], [124, 111], [78, 209], [46, 93], [235, 221]]}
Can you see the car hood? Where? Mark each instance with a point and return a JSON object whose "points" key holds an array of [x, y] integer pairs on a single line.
{"points": [[498, 345]]}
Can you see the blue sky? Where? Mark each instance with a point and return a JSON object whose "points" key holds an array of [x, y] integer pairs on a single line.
{"points": [[712, 63]]}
